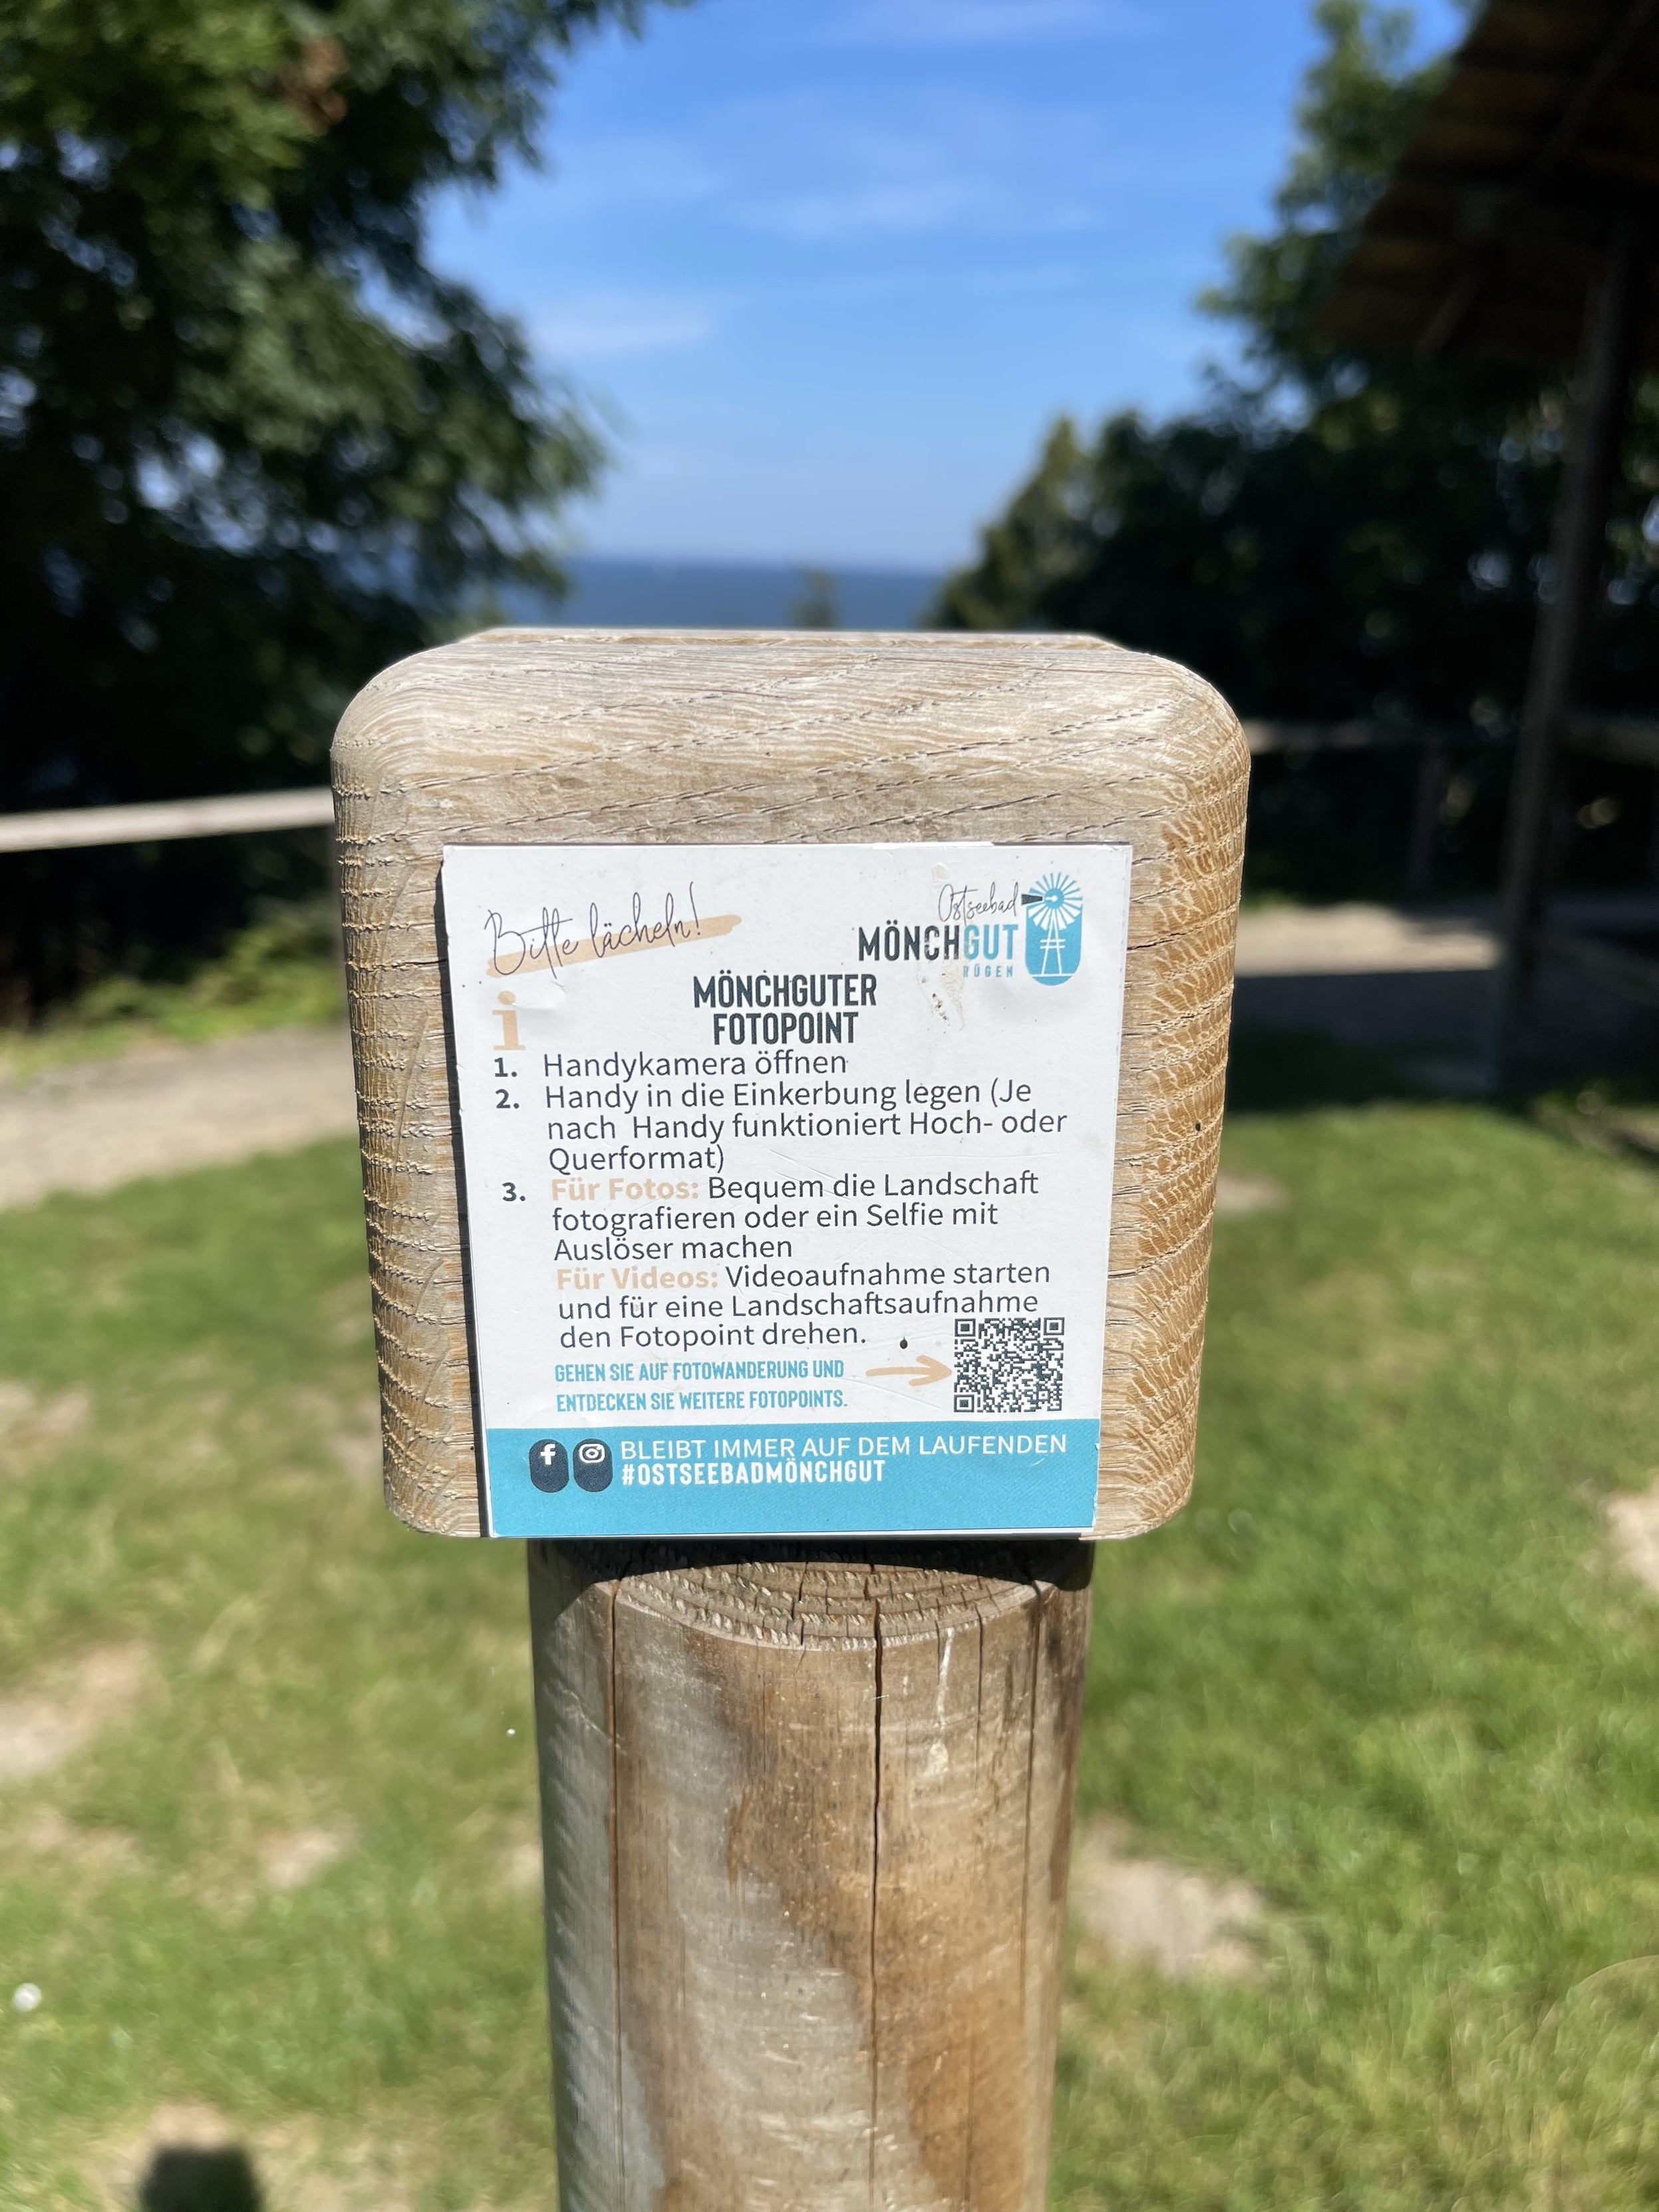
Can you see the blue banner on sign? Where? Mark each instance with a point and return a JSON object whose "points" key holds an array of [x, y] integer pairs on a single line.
{"points": [[910, 1478]]}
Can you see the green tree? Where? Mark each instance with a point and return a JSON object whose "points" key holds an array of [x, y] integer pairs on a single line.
{"points": [[1328, 536], [816, 608], [250, 440]]}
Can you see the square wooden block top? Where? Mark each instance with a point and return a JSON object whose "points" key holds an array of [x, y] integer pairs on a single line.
{"points": [[703, 739]]}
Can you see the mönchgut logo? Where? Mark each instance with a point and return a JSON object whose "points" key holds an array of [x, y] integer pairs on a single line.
{"points": [[1054, 928]]}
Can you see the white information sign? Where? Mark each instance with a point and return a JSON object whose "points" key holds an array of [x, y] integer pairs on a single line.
{"points": [[788, 1176]]}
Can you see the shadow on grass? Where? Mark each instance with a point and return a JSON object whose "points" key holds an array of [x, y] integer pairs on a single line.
{"points": [[1274, 1071], [187, 2179]]}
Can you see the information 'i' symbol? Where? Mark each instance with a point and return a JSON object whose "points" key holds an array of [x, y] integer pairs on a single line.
{"points": [[1054, 928], [506, 1013]]}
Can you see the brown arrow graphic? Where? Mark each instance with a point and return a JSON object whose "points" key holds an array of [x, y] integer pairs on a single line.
{"points": [[926, 1370]]}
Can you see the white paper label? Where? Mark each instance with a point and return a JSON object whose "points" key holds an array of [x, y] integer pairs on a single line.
{"points": [[788, 1176]]}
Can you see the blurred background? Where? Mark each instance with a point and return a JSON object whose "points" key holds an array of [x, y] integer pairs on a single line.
{"points": [[328, 333]]}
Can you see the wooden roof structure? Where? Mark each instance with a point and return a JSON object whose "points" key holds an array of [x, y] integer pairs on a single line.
{"points": [[1522, 220], [1489, 234]]}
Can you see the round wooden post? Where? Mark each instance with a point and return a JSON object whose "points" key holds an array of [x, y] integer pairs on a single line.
{"points": [[806, 1814], [806, 1799]]}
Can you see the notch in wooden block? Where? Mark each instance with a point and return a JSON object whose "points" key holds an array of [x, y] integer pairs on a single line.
{"points": [[677, 745]]}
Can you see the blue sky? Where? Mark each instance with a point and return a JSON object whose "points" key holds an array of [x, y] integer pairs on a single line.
{"points": [[829, 267]]}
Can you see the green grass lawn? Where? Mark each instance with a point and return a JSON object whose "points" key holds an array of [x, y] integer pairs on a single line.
{"points": [[1382, 1669]]}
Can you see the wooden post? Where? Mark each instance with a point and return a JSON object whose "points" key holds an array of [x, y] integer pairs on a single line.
{"points": [[806, 1800], [1612, 324], [807, 1822]]}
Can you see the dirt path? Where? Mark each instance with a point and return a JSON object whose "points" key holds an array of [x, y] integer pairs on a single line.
{"points": [[1362, 940], [93, 1126], [1379, 976], [1370, 973]]}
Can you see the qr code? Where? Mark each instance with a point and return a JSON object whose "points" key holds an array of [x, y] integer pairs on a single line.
{"points": [[1010, 1366]]}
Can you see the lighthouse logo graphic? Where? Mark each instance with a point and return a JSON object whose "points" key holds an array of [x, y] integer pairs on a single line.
{"points": [[1054, 928]]}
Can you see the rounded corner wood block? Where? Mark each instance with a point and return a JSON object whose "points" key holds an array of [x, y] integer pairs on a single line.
{"points": [[596, 737], [806, 1820]]}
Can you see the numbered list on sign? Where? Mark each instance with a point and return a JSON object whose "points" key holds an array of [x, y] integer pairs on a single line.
{"points": [[788, 1176]]}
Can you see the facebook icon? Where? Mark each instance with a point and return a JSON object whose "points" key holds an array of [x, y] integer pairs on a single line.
{"points": [[549, 1464]]}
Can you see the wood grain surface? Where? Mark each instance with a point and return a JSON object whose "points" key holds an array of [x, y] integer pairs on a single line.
{"points": [[806, 1820], [596, 737]]}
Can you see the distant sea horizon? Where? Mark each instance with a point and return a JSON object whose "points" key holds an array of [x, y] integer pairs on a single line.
{"points": [[611, 592]]}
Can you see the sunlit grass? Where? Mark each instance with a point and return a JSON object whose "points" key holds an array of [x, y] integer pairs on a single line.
{"points": [[319, 1667], [1382, 1669], [1385, 1670]]}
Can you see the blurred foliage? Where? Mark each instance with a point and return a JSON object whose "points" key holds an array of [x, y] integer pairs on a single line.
{"points": [[816, 607], [283, 968], [1337, 825], [1328, 537], [250, 441]]}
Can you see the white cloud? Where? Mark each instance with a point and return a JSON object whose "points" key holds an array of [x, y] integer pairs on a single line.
{"points": [[954, 163], [640, 168], [980, 22], [598, 325], [813, 165], [850, 503]]}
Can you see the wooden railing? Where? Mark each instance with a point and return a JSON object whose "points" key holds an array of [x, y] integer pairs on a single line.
{"points": [[72, 826], [1626, 738], [1629, 738], [1612, 737]]}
